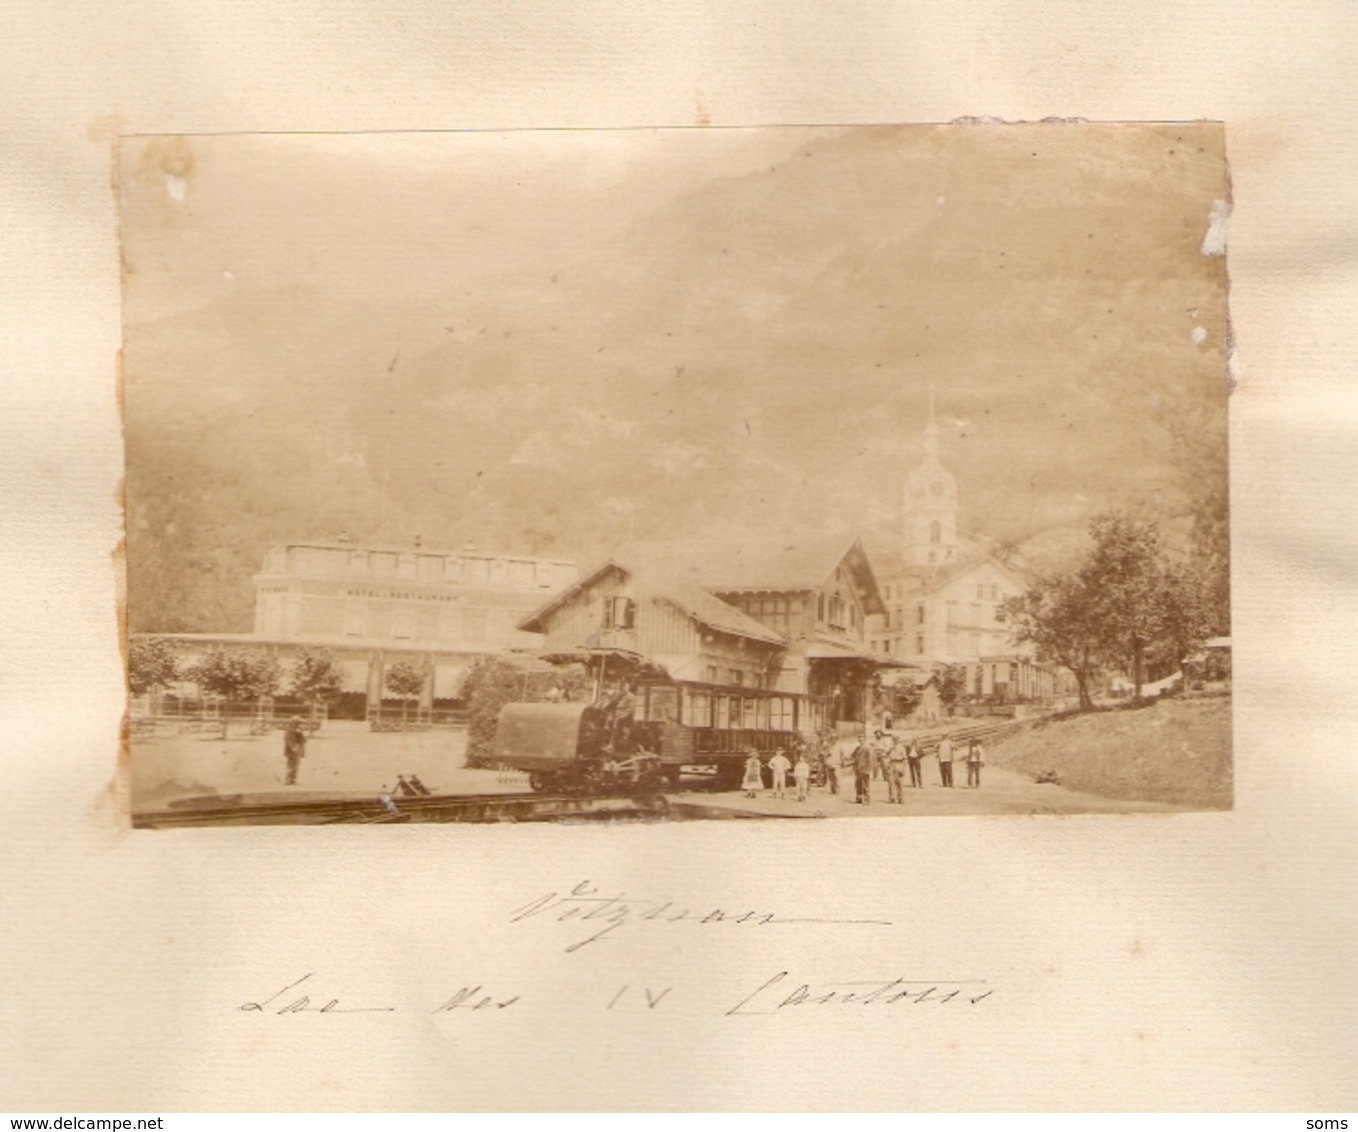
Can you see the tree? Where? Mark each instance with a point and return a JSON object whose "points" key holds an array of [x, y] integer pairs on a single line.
{"points": [[1124, 577], [151, 663], [905, 698], [1189, 613], [952, 685], [235, 675], [316, 676], [489, 685], [1126, 604], [1054, 614], [405, 679]]}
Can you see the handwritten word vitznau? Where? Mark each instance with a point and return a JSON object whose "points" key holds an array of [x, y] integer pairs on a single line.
{"points": [[602, 915], [777, 994]]}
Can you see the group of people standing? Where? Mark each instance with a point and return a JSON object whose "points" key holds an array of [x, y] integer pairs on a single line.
{"points": [[885, 756], [889, 757], [778, 765]]}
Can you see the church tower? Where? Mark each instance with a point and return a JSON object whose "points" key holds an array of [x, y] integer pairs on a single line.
{"points": [[930, 507]]}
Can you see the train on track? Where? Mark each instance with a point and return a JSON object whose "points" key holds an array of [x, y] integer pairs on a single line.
{"points": [[642, 739]]}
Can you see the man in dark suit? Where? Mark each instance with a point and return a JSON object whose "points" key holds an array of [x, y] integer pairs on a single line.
{"points": [[294, 747], [862, 772]]}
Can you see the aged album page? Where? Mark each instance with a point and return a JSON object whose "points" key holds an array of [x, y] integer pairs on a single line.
{"points": [[734, 371]]}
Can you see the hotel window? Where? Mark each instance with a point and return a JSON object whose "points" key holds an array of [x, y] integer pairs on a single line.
{"points": [[737, 677], [711, 674], [355, 620], [403, 624], [919, 646], [452, 569], [474, 624], [430, 568], [406, 567], [619, 613], [474, 571], [919, 614], [820, 607]]}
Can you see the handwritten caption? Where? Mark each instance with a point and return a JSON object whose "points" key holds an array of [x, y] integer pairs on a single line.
{"points": [[593, 916], [602, 916], [776, 994]]}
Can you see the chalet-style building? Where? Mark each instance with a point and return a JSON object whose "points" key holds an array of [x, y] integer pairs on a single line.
{"points": [[785, 615], [940, 603]]}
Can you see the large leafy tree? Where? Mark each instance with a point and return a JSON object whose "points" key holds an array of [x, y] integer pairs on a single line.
{"points": [[1124, 576], [489, 685], [236, 675], [1126, 604], [316, 676], [152, 662], [405, 680], [1056, 614], [952, 685]]}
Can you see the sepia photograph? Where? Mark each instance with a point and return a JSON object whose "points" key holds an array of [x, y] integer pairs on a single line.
{"points": [[677, 474]]}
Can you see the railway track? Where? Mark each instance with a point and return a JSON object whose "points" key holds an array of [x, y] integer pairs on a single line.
{"points": [[516, 807], [433, 808]]}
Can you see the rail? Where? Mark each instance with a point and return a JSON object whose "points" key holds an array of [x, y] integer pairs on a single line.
{"points": [[434, 808]]}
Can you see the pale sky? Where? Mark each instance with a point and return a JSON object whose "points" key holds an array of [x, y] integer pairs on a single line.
{"points": [[402, 216]]}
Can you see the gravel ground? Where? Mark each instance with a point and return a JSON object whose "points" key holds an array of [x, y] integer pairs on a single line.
{"points": [[348, 758]]}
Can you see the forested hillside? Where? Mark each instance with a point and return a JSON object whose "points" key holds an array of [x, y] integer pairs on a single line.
{"points": [[756, 353]]}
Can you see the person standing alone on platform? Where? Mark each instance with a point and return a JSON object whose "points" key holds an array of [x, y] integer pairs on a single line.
{"points": [[975, 761], [895, 772], [780, 766], [294, 747], [862, 772], [945, 761], [829, 758], [913, 755]]}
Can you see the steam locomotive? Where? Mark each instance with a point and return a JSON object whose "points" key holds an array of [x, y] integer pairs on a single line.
{"points": [[591, 748]]}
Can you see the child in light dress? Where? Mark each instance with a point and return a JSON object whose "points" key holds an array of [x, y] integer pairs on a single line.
{"points": [[754, 776]]}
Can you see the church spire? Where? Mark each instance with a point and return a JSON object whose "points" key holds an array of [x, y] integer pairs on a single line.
{"points": [[930, 505], [931, 431]]}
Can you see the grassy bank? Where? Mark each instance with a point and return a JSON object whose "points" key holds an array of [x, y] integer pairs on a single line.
{"points": [[1177, 751]]}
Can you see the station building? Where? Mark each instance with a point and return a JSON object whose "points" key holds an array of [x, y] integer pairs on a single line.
{"points": [[780, 615]]}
